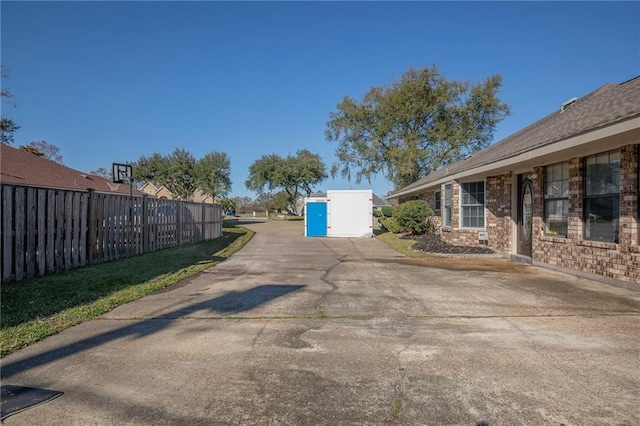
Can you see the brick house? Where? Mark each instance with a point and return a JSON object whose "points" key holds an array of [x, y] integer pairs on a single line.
{"points": [[162, 192], [560, 193]]}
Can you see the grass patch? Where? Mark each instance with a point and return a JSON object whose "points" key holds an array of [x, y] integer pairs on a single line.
{"points": [[397, 407], [40, 307], [400, 245]]}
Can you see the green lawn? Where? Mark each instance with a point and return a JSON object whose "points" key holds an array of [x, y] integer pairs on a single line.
{"points": [[36, 308], [395, 242]]}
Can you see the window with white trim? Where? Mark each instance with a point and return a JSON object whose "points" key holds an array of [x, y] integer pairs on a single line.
{"points": [[556, 199], [472, 204], [437, 201], [602, 196], [446, 218]]}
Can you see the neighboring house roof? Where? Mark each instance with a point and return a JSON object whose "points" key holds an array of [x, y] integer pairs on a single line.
{"points": [[606, 106], [149, 188], [21, 167], [162, 192]]}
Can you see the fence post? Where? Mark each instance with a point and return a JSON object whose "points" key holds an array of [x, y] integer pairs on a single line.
{"points": [[92, 226]]}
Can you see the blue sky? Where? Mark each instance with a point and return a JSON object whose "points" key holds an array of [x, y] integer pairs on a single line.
{"points": [[112, 81]]}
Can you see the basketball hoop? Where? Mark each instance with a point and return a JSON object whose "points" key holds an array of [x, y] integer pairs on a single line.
{"points": [[122, 173]]}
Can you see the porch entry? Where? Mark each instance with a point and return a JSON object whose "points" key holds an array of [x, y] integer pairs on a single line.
{"points": [[525, 214]]}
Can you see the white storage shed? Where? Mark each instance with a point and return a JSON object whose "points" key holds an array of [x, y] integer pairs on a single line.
{"points": [[342, 213]]}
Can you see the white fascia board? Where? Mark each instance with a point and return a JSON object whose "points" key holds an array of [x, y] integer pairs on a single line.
{"points": [[552, 148]]}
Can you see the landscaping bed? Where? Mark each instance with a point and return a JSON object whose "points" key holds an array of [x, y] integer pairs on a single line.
{"points": [[433, 243]]}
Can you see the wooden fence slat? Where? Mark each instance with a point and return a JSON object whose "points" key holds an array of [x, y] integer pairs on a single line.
{"points": [[30, 228], [19, 235], [100, 237], [42, 231], [51, 230], [8, 232], [68, 219], [75, 242], [84, 216], [59, 231]]}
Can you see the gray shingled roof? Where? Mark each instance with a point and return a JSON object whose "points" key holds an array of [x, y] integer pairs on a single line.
{"points": [[608, 105]]}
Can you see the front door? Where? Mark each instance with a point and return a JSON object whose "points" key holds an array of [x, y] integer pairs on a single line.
{"points": [[525, 214]]}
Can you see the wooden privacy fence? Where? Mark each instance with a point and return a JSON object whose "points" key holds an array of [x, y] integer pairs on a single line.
{"points": [[46, 230]]}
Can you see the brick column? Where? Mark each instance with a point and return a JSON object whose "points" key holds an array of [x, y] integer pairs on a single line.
{"points": [[629, 195], [576, 188]]}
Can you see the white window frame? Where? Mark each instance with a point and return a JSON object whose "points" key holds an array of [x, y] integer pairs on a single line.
{"points": [[444, 206], [461, 206]]}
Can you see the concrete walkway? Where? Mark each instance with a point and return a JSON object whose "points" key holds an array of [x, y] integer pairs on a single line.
{"points": [[324, 331]]}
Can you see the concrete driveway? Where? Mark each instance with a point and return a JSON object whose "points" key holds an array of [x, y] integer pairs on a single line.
{"points": [[347, 332]]}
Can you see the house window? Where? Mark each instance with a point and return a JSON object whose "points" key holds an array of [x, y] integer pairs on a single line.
{"points": [[602, 196], [556, 199], [472, 204], [447, 205], [437, 201]]}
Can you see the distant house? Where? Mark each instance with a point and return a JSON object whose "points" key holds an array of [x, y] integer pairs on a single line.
{"points": [[23, 167], [163, 193], [560, 193]]}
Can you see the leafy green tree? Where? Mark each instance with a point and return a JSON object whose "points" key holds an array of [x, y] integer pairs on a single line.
{"points": [[181, 175], [175, 171], [212, 174], [280, 201], [227, 204], [295, 175], [7, 126], [150, 168], [414, 126], [273, 202]]}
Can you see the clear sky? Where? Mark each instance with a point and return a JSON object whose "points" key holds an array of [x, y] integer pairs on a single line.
{"points": [[111, 81]]}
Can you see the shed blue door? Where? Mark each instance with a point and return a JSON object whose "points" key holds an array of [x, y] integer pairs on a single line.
{"points": [[316, 219]]}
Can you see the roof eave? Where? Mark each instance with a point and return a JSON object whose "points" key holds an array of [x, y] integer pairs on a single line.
{"points": [[571, 142]]}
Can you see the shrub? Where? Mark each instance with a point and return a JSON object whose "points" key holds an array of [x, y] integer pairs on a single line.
{"points": [[412, 216], [377, 213], [391, 224], [387, 211]]}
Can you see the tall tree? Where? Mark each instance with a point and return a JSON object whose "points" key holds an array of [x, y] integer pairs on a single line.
{"points": [[7, 126], [212, 174], [48, 151], [175, 171], [293, 174], [414, 126]]}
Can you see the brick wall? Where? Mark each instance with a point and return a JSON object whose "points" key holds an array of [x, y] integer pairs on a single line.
{"points": [[616, 261], [620, 262], [498, 212], [498, 216]]}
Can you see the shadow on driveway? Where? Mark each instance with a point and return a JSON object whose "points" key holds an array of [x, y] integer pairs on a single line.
{"points": [[229, 303]]}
